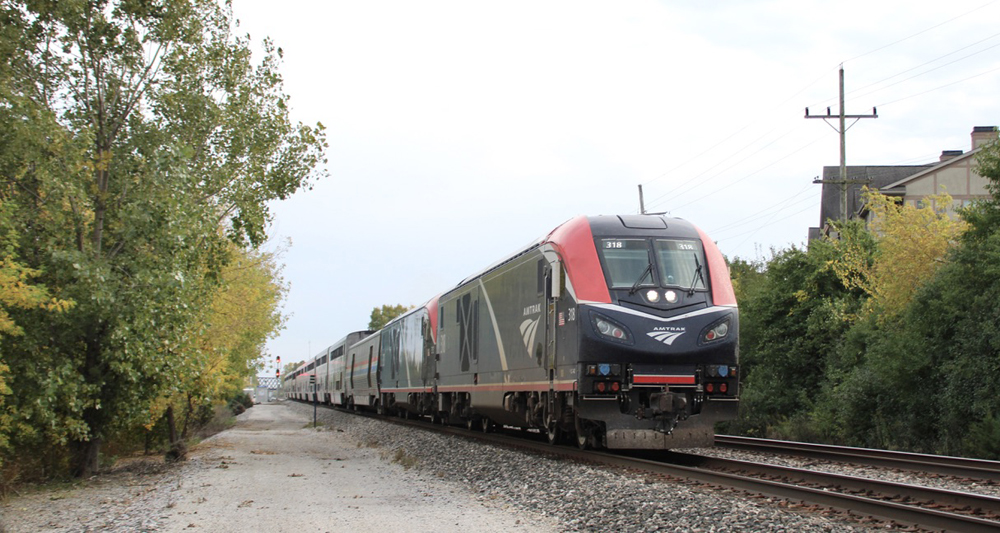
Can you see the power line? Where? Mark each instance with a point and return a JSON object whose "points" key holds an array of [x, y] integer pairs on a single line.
{"points": [[953, 52], [775, 162], [928, 71], [939, 87], [770, 223], [920, 32], [737, 132], [716, 175], [760, 214], [693, 183]]}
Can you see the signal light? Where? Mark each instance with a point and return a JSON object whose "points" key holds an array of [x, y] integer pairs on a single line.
{"points": [[723, 388], [710, 387], [606, 387]]}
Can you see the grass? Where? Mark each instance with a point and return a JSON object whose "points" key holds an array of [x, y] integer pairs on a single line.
{"points": [[402, 458]]}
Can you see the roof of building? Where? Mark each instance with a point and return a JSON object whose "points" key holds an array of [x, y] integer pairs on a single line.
{"points": [[932, 168], [874, 176]]}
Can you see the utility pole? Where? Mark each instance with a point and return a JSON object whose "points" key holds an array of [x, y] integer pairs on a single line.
{"points": [[842, 130]]}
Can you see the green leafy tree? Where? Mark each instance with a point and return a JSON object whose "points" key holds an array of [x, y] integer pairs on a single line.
{"points": [[958, 314], [383, 315], [136, 132], [792, 314]]}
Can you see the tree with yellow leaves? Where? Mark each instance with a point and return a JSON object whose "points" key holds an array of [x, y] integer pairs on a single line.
{"points": [[17, 291], [910, 244], [227, 344]]}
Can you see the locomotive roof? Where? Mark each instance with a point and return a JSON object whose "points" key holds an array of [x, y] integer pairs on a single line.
{"points": [[641, 225], [601, 226], [597, 226]]}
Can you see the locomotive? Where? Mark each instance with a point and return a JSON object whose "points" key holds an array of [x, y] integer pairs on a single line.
{"points": [[616, 332]]}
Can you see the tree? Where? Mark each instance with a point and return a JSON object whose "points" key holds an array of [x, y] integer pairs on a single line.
{"points": [[383, 315], [17, 291], [141, 129], [910, 244], [792, 312], [228, 342]]}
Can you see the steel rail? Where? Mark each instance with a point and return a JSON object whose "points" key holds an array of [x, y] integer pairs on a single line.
{"points": [[887, 489], [938, 464]]}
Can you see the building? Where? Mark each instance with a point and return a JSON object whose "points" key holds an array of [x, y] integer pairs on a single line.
{"points": [[953, 173]]}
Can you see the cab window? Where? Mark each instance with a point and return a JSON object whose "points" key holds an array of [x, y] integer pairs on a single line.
{"points": [[625, 261]]}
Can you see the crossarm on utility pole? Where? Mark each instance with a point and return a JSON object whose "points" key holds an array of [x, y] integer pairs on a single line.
{"points": [[842, 130]]}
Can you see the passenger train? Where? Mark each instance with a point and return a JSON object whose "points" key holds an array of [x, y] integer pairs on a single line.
{"points": [[616, 332]]}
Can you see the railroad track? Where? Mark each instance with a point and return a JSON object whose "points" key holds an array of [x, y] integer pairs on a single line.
{"points": [[977, 506], [960, 467], [923, 507], [911, 505]]}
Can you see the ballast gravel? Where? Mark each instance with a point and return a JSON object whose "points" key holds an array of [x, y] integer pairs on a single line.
{"points": [[583, 497], [274, 472]]}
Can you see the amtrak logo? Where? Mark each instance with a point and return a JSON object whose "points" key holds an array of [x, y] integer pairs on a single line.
{"points": [[666, 335], [528, 329]]}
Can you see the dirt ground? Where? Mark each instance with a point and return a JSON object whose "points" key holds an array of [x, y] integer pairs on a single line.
{"points": [[271, 472]]}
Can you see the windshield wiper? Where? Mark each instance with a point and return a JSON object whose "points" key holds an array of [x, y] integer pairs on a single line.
{"points": [[697, 274], [647, 272]]}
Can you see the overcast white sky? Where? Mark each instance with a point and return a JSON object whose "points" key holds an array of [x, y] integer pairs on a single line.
{"points": [[460, 131]]}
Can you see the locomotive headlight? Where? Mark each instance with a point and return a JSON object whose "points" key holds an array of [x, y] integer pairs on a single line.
{"points": [[671, 297], [717, 331], [611, 329], [653, 296]]}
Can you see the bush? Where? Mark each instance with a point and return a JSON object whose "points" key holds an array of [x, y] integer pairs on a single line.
{"points": [[240, 403]]}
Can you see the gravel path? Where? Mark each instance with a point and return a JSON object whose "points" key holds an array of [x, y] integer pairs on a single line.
{"points": [[272, 472]]}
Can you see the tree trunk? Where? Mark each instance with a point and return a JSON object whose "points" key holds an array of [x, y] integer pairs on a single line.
{"points": [[177, 450], [87, 457], [187, 418], [100, 198]]}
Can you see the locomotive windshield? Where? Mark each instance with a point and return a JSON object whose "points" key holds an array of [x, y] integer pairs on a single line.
{"points": [[677, 263], [680, 263]]}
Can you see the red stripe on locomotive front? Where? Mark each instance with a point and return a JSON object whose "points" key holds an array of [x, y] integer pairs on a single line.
{"points": [[722, 285], [575, 243], [662, 380]]}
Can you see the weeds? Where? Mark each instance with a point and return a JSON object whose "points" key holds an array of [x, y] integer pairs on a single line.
{"points": [[403, 459]]}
